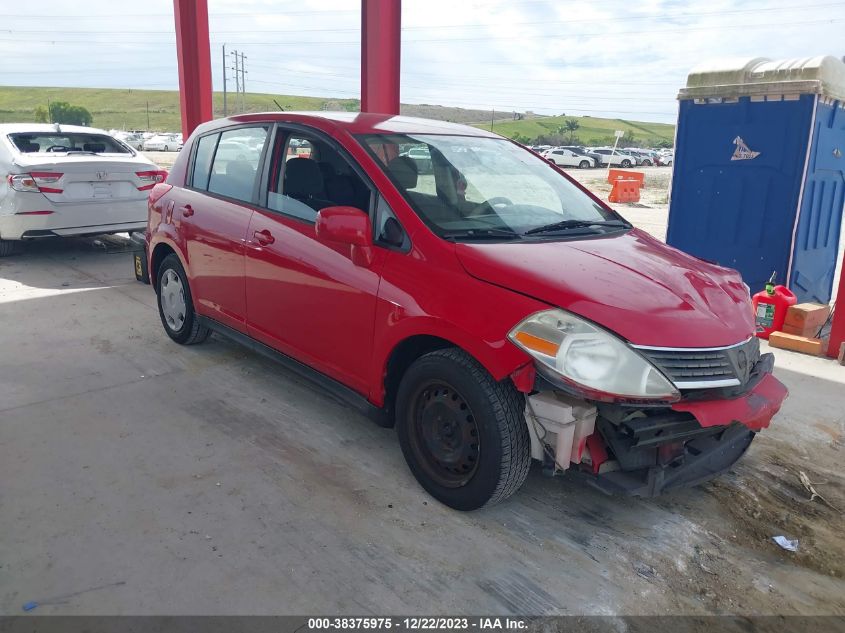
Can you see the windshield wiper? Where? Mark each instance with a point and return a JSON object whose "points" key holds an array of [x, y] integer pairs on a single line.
{"points": [[482, 234], [565, 225]]}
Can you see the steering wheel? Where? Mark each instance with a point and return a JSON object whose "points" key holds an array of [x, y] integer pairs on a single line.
{"points": [[498, 202]]}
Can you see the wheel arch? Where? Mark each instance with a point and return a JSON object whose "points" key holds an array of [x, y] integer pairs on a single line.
{"points": [[160, 251]]}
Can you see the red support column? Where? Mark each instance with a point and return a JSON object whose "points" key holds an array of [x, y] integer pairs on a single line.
{"points": [[837, 328], [193, 51], [381, 24]]}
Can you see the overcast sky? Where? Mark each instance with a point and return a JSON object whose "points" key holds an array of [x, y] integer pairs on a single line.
{"points": [[615, 58]]}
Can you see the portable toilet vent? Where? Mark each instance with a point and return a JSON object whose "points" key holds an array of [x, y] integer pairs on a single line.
{"points": [[759, 176]]}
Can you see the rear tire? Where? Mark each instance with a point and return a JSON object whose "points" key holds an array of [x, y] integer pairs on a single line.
{"points": [[462, 433], [175, 305], [7, 247], [584, 164]]}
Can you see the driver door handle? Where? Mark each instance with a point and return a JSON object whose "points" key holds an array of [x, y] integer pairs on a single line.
{"points": [[264, 237]]}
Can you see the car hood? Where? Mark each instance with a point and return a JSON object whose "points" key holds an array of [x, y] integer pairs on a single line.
{"points": [[630, 283]]}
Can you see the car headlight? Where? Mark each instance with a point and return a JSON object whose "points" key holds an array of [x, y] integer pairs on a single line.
{"points": [[590, 357]]}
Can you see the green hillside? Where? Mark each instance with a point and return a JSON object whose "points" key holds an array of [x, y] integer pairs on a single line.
{"points": [[129, 109], [593, 130]]}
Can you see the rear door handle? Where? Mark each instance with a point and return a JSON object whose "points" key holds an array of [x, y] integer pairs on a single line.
{"points": [[187, 211], [264, 237]]}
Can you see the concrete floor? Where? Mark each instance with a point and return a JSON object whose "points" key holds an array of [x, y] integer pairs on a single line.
{"points": [[208, 480]]}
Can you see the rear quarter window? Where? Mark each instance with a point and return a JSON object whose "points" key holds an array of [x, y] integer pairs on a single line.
{"points": [[202, 161]]}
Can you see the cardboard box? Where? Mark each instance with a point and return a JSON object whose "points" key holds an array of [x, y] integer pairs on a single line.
{"points": [[795, 343], [805, 319]]}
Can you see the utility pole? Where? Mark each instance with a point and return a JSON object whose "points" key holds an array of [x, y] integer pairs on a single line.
{"points": [[243, 83], [148, 115], [492, 117], [225, 107], [237, 74]]}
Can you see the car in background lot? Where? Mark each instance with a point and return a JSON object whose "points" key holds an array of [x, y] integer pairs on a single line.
{"points": [[421, 156], [494, 313], [567, 157], [133, 139], [164, 143], [644, 157], [67, 180], [615, 158]]}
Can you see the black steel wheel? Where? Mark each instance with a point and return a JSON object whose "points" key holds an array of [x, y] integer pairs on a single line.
{"points": [[444, 434], [462, 433]]}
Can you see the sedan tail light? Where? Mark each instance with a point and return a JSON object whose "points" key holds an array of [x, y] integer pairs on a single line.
{"points": [[150, 179], [36, 182]]}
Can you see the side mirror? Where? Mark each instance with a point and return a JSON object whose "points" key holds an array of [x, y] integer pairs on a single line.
{"points": [[346, 225], [351, 226]]}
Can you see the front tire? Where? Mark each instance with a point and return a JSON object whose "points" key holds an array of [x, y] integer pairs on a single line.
{"points": [[626, 163], [462, 433], [175, 305], [584, 164]]}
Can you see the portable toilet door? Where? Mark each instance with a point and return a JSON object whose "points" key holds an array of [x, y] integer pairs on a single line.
{"points": [[818, 228], [757, 183]]}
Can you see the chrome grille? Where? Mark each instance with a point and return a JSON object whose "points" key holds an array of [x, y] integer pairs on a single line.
{"points": [[692, 368]]}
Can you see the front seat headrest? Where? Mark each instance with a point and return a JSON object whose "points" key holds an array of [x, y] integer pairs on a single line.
{"points": [[404, 170]]}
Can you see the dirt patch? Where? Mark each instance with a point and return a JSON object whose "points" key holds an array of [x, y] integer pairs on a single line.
{"points": [[770, 500]]}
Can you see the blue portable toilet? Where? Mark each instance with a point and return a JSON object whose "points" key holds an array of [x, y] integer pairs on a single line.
{"points": [[759, 176]]}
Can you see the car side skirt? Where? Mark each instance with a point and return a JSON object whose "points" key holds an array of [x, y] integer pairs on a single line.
{"points": [[338, 390]]}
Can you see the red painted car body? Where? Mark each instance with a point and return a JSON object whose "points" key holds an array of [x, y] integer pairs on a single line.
{"points": [[345, 310]]}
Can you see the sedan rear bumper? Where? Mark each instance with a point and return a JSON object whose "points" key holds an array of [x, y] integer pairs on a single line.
{"points": [[54, 220]]}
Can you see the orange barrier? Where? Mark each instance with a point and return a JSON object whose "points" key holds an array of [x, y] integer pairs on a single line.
{"points": [[625, 190], [623, 174]]}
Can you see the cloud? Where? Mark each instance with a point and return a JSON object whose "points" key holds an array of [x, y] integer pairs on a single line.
{"points": [[581, 57]]}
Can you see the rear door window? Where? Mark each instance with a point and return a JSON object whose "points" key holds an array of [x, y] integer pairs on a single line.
{"points": [[235, 165]]}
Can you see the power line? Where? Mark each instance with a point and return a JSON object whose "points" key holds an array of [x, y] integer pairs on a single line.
{"points": [[357, 42]]}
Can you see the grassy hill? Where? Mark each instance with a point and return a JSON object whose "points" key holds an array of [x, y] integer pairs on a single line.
{"points": [[593, 130], [129, 109]]}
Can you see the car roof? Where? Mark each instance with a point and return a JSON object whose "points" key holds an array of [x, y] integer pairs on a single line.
{"points": [[357, 123], [41, 128]]}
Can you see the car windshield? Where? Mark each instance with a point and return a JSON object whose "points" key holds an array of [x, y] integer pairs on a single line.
{"points": [[468, 188], [66, 142]]}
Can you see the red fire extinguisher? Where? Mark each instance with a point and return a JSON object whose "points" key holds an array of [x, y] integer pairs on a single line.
{"points": [[770, 306]]}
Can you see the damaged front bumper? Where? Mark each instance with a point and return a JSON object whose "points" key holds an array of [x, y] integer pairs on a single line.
{"points": [[647, 451]]}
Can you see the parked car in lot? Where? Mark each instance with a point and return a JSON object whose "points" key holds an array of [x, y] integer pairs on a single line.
{"points": [[67, 180], [609, 157], [164, 143], [494, 312], [643, 157], [421, 156], [567, 157]]}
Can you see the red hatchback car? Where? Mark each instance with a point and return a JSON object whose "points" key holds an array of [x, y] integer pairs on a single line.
{"points": [[451, 283]]}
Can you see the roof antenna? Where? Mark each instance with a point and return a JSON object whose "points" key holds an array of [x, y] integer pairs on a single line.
{"points": [[58, 127], [278, 106]]}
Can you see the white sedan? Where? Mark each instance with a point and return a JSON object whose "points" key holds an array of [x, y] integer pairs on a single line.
{"points": [[566, 157], [164, 143], [69, 180], [615, 157]]}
